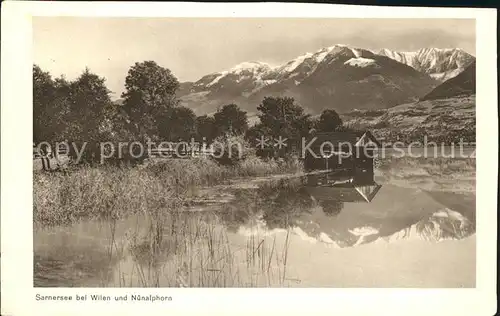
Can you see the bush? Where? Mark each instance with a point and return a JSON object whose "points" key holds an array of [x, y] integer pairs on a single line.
{"points": [[254, 166], [231, 149], [184, 173]]}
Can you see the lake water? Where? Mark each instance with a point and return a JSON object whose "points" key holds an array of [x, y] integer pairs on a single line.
{"points": [[412, 226], [429, 152]]}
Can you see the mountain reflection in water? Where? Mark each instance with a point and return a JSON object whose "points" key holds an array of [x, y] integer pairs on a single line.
{"points": [[348, 210]]}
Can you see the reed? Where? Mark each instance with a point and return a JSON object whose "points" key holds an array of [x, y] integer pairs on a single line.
{"points": [[115, 192], [195, 251]]}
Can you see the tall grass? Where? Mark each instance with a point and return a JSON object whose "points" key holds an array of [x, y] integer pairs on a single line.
{"points": [[105, 193], [115, 192]]}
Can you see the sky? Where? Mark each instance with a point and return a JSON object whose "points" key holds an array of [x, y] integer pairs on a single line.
{"points": [[192, 48]]}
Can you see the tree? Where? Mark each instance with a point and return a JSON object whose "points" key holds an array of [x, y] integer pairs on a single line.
{"points": [[49, 107], [73, 111], [90, 103], [255, 135], [230, 119], [329, 121], [178, 124], [150, 93], [281, 116], [78, 111], [89, 109], [206, 128], [230, 149]]}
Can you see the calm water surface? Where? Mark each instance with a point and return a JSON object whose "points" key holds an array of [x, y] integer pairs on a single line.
{"points": [[410, 226]]}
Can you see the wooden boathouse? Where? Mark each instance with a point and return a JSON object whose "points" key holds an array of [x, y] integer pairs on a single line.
{"points": [[342, 166]]}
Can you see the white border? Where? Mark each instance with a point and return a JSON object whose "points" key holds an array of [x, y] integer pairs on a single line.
{"points": [[16, 177]]}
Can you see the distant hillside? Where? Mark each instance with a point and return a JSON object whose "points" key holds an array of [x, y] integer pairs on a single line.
{"points": [[463, 84], [449, 118]]}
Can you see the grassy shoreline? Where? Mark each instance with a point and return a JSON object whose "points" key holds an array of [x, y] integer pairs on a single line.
{"points": [[109, 192]]}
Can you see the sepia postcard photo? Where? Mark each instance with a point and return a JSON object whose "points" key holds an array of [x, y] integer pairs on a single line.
{"points": [[251, 151]]}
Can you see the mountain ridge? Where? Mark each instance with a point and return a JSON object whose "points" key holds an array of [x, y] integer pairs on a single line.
{"points": [[462, 84], [440, 63], [338, 76]]}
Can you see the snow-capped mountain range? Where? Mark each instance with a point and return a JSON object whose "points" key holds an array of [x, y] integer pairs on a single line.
{"points": [[339, 75], [246, 72], [441, 64], [255, 75], [445, 224]]}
